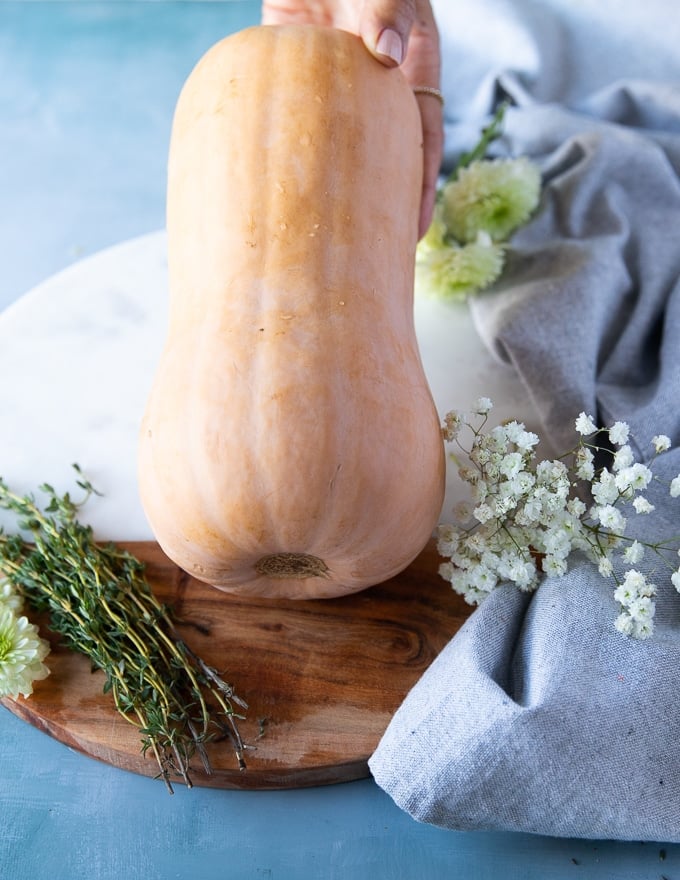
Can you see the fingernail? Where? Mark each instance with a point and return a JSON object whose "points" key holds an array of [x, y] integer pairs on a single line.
{"points": [[390, 45]]}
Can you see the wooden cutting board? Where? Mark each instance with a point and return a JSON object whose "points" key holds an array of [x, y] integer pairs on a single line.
{"points": [[321, 678]]}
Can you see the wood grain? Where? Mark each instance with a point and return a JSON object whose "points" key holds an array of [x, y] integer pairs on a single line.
{"points": [[321, 678]]}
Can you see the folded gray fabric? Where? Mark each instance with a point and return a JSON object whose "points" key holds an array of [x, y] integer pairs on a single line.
{"points": [[539, 716]]}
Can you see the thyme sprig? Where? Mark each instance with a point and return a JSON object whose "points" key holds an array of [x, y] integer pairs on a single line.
{"points": [[99, 600]]}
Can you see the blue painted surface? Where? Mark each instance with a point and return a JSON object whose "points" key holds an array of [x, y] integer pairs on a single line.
{"points": [[87, 91], [86, 96]]}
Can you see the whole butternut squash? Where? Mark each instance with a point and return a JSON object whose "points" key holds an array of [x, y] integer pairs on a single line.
{"points": [[291, 446]]}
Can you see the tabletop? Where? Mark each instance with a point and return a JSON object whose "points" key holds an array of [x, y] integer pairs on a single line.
{"points": [[87, 91]]}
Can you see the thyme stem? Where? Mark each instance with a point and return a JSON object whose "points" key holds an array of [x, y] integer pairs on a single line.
{"points": [[99, 601]]}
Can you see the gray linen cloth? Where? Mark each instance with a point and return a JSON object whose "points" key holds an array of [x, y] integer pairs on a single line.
{"points": [[539, 716]]}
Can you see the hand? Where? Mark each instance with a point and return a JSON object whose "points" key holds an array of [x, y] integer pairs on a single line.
{"points": [[396, 32]]}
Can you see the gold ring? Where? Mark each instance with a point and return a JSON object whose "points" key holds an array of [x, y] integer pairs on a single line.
{"points": [[429, 90]]}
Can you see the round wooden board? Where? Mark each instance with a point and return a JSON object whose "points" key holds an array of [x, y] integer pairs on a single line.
{"points": [[321, 678]]}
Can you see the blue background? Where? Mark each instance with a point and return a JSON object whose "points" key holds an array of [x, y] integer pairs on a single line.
{"points": [[87, 91]]}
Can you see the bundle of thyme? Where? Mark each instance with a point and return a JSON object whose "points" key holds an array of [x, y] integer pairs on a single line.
{"points": [[98, 599]]}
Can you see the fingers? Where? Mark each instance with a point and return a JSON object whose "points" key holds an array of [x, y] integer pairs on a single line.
{"points": [[422, 67], [385, 27], [405, 32], [298, 12], [433, 144], [396, 32]]}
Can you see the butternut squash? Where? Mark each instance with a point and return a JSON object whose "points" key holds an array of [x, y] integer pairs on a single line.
{"points": [[290, 446]]}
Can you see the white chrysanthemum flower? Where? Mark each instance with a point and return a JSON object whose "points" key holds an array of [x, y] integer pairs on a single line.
{"points": [[435, 237], [455, 272], [642, 505], [495, 196], [585, 425], [21, 654], [9, 597], [675, 580], [618, 433], [675, 487], [661, 443]]}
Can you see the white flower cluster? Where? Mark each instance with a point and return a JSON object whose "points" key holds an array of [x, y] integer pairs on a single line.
{"points": [[477, 209], [527, 518], [22, 651]]}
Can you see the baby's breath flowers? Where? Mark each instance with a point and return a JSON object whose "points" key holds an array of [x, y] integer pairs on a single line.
{"points": [[527, 518], [478, 208]]}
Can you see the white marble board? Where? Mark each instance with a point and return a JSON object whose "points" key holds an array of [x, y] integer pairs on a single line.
{"points": [[78, 353]]}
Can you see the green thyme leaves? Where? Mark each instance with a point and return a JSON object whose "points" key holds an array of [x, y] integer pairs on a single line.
{"points": [[98, 599]]}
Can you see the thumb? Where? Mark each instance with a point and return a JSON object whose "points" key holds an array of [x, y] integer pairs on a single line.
{"points": [[385, 26]]}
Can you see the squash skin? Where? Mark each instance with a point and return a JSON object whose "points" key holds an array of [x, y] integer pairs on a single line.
{"points": [[290, 413]]}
